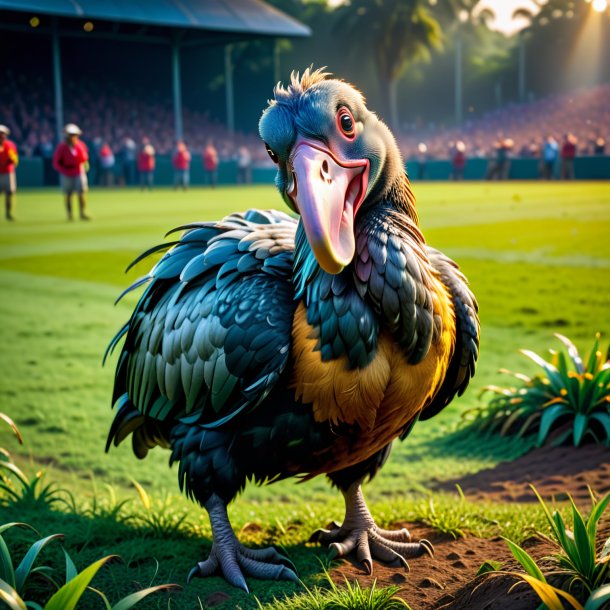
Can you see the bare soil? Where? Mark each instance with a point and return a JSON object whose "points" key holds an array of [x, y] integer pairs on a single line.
{"points": [[448, 581]]}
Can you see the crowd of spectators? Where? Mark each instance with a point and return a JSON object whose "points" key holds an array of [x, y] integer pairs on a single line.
{"points": [[118, 123], [110, 116], [521, 130]]}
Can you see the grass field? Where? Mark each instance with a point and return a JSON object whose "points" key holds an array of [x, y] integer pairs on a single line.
{"points": [[537, 256]]}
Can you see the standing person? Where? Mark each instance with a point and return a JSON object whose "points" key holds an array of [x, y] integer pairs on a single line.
{"points": [[568, 152], [106, 164], [210, 163], [182, 164], [129, 154], [244, 165], [8, 162], [422, 160], [458, 160], [503, 153], [70, 159], [146, 164], [550, 151]]}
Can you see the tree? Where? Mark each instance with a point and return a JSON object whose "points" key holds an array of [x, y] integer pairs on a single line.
{"points": [[462, 14], [396, 32]]}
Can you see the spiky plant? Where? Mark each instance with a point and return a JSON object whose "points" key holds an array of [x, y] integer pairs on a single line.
{"points": [[568, 393], [582, 563], [14, 582]]}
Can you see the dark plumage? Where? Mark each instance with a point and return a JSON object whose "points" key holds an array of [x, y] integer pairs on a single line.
{"points": [[265, 347]]}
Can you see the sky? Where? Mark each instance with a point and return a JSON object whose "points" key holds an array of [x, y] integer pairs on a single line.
{"points": [[504, 11]]}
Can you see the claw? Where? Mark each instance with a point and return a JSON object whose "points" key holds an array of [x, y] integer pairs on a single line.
{"points": [[427, 546], [203, 568]]}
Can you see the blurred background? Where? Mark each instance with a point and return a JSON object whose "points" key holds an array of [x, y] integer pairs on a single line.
{"points": [[472, 89]]}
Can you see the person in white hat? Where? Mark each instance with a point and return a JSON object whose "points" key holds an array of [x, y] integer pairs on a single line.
{"points": [[8, 162], [70, 160]]}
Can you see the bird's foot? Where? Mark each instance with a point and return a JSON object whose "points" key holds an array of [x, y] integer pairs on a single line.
{"points": [[233, 560], [392, 547]]}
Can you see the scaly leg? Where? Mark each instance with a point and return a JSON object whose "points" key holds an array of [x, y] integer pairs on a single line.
{"points": [[229, 557], [360, 533]]}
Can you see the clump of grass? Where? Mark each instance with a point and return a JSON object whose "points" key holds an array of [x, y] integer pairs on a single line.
{"points": [[159, 517], [334, 597], [15, 583], [568, 393], [581, 564], [16, 488]]}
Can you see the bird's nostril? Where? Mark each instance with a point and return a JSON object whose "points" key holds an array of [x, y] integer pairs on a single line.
{"points": [[325, 166]]}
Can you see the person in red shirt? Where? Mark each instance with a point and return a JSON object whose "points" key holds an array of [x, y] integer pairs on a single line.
{"points": [[146, 164], [182, 163], [210, 163], [568, 152], [71, 159], [8, 161]]}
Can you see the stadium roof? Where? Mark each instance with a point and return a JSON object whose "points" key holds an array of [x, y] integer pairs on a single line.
{"points": [[234, 16]]}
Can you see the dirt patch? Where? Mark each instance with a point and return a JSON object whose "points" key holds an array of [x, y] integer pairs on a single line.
{"points": [[555, 472], [448, 579]]}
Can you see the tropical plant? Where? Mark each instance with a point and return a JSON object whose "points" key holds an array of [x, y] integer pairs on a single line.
{"points": [[581, 567], [16, 487], [400, 31], [569, 392], [19, 489], [333, 597], [14, 582]]}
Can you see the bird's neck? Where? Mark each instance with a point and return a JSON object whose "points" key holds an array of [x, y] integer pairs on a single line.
{"points": [[399, 196], [337, 305]]}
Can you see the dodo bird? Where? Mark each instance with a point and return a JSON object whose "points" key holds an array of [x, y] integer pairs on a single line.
{"points": [[265, 347]]}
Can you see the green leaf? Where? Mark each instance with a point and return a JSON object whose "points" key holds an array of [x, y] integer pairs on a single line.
{"points": [[7, 571], [69, 595], [489, 566], [592, 363], [557, 382], [71, 570], [595, 515], [10, 597], [134, 598], [549, 417], [525, 559], [580, 427], [598, 598], [24, 568], [585, 550]]}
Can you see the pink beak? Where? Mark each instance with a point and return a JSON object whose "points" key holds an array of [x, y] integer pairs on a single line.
{"points": [[327, 193]]}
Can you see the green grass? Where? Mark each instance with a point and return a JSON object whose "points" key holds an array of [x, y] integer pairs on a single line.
{"points": [[537, 255]]}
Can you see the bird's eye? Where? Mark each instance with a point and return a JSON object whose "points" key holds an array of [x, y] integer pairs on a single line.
{"points": [[345, 121], [272, 154]]}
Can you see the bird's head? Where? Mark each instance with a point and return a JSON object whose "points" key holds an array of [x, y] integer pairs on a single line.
{"points": [[335, 159]]}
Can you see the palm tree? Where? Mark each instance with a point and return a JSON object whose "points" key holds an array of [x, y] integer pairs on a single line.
{"points": [[399, 31], [463, 13]]}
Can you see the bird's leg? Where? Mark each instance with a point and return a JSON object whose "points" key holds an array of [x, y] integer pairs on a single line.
{"points": [[359, 533], [231, 559]]}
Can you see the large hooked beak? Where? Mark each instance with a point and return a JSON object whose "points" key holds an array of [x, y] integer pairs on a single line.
{"points": [[327, 193]]}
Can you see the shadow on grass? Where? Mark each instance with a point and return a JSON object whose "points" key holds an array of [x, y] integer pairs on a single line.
{"points": [[466, 442], [148, 558]]}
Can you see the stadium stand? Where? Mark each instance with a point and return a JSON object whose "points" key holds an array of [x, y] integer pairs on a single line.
{"points": [[585, 113]]}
